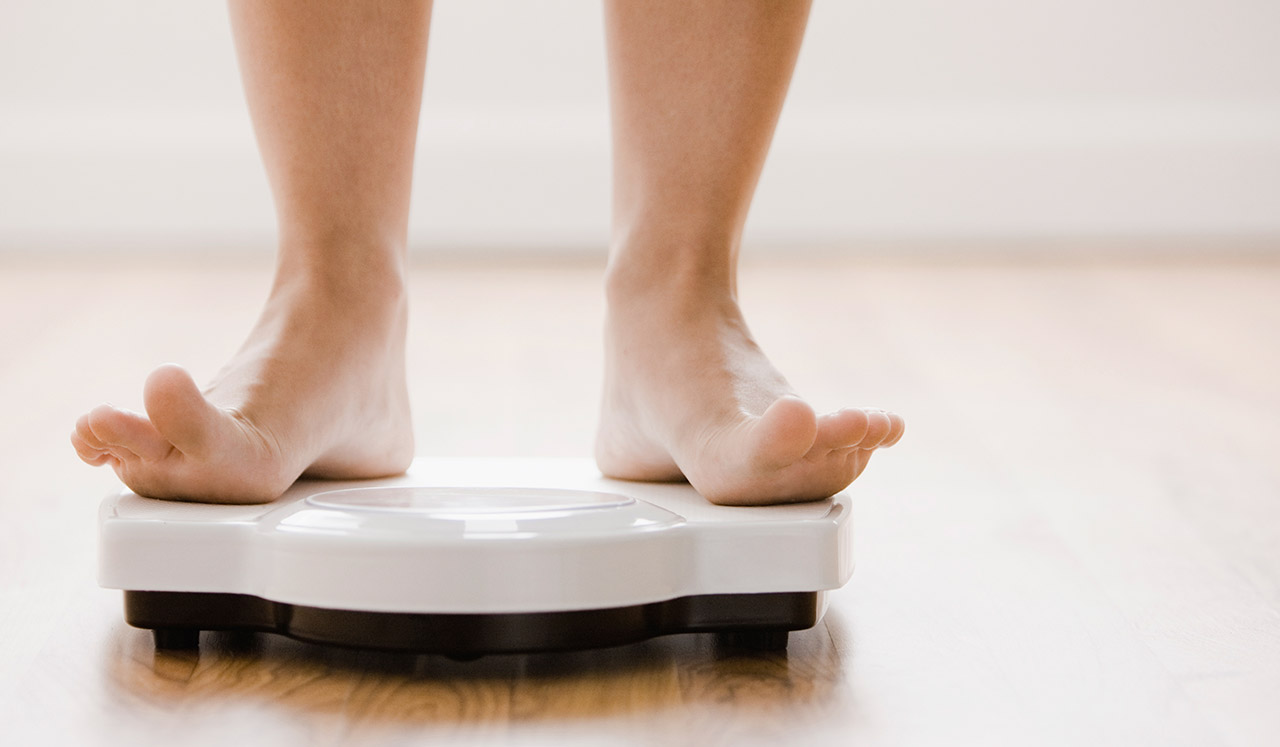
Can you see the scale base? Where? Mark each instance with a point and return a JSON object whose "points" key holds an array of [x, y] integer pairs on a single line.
{"points": [[749, 621]]}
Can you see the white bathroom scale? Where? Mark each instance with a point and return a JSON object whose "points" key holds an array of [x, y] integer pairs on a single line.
{"points": [[467, 557]]}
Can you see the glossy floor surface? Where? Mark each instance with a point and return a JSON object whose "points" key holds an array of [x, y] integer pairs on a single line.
{"points": [[1077, 542]]}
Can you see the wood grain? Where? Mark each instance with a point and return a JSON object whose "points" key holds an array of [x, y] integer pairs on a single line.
{"points": [[1078, 541]]}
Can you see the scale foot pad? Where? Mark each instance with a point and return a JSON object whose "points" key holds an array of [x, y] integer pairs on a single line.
{"points": [[754, 621]]}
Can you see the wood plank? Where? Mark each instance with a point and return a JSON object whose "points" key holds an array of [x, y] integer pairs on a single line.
{"points": [[1076, 543]]}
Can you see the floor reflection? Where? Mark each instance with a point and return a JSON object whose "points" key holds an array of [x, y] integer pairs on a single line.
{"points": [[276, 672]]}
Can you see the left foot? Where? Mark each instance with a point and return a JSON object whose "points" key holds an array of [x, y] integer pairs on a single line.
{"points": [[689, 395]]}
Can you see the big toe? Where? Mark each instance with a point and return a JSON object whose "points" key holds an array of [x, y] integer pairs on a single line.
{"points": [[177, 409], [784, 434]]}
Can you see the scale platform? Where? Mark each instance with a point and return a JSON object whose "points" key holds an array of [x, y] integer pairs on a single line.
{"points": [[467, 557]]}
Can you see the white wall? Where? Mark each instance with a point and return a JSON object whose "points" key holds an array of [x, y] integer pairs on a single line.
{"points": [[122, 124]]}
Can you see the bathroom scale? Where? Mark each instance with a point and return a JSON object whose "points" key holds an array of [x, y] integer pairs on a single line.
{"points": [[468, 557]]}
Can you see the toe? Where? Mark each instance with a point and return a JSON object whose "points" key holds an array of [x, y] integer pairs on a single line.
{"points": [[842, 429], [878, 427], [88, 454], [897, 426], [85, 435], [116, 427], [784, 433], [178, 411]]}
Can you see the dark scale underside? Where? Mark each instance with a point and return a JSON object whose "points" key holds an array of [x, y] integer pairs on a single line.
{"points": [[759, 621]]}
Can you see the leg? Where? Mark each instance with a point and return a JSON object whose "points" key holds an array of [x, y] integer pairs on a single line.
{"points": [[696, 90], [319, 386]]}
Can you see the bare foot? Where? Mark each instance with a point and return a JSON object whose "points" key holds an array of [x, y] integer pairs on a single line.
{"points": [[318, 388], [689, 395]]}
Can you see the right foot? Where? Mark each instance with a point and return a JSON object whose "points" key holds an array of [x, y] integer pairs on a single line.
{"points": [[317, 389]]}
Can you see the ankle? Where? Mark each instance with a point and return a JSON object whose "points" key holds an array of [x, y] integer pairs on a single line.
{"points": [[671, 271], [359, 278]]}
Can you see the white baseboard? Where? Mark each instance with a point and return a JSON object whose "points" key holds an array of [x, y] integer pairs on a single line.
{"points": [[538, 181]]}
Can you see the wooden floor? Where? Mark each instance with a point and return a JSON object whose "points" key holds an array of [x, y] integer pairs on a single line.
{"points": [[1077, 542]]}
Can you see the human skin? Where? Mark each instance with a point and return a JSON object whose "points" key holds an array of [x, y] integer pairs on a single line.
{"points": [[318, 388], [696, 90]]}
